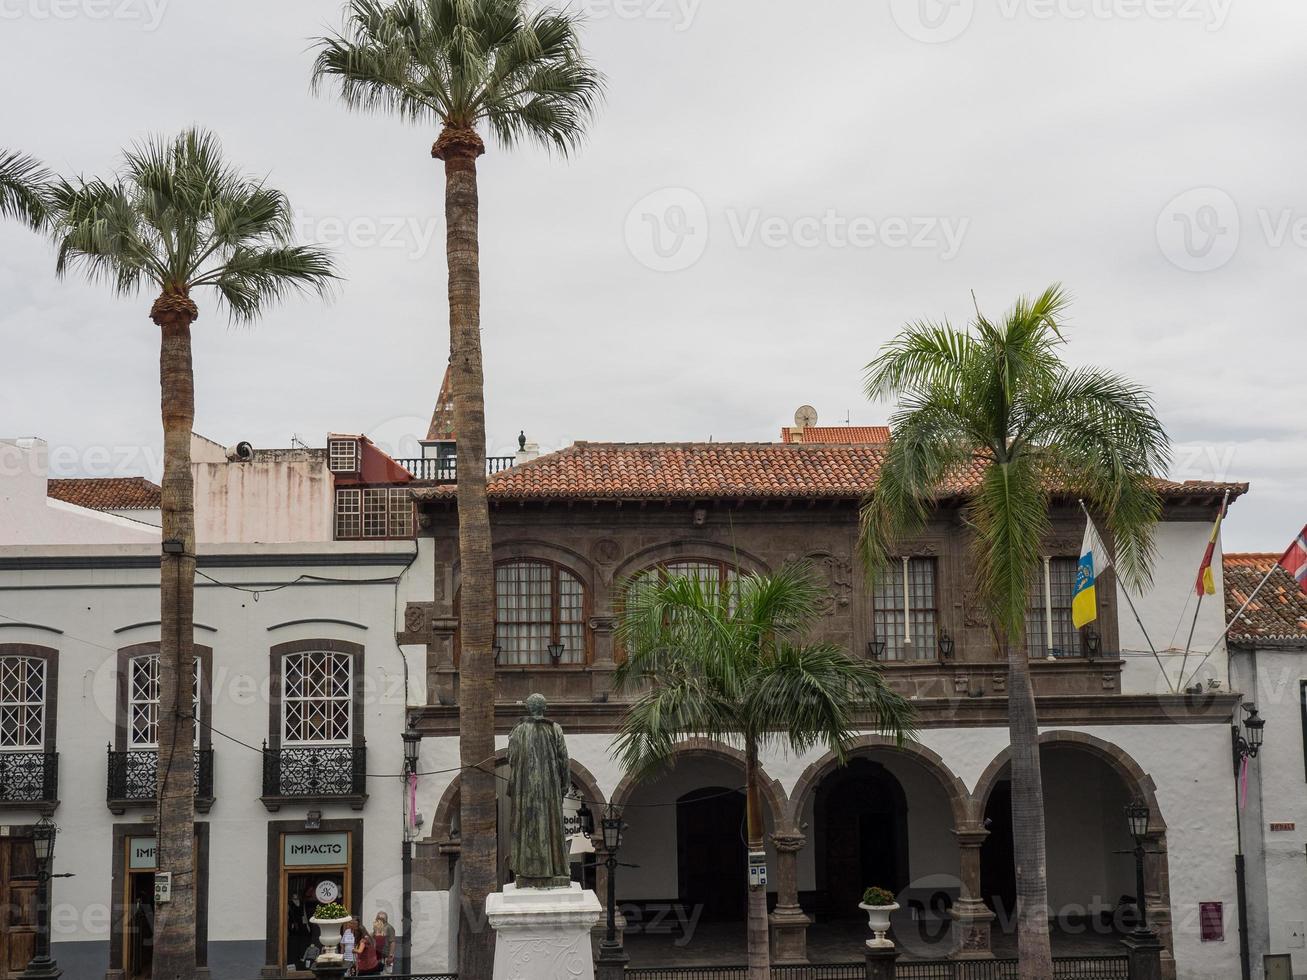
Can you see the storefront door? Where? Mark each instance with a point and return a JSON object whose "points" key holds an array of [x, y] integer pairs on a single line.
{"points": [[138, 907], [315, 870]]}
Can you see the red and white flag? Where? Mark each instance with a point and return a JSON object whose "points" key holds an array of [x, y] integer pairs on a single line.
{"points": [[1294, 560]]}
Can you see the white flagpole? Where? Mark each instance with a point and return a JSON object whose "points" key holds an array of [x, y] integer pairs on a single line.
{"points": [[1220, 517], [1234, 619]]}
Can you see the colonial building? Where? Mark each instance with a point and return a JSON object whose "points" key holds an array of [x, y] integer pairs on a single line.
{"points": [[929, 819], [1268, 661], [301, 700]]}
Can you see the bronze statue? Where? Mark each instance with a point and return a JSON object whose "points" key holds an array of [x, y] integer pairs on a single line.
{"points": [[539, 777]]}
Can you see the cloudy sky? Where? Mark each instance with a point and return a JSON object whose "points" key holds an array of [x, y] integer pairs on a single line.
{"points": [[770, 192]]}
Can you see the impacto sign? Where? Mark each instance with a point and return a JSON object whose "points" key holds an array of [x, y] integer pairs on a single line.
{"points": [[142, 853], [315, 850]]}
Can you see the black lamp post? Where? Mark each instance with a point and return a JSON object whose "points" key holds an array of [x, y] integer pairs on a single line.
{"points": [[612, 955], [1244, 746], [40, 965], [412, 742], [1142, 945]]}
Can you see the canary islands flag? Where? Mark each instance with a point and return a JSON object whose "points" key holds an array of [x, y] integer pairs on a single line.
{"points": [[1094, 561]]}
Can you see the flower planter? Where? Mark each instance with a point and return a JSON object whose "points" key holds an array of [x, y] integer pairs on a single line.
{"points": [[329, 937], [878, 919]]}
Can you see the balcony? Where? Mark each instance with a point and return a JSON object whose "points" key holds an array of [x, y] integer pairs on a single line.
{"points": [[443, 470], [133, 778], [29, 780], [315, 773]]}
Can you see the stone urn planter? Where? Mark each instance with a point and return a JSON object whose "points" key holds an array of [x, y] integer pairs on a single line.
{"points": [[329, 937], [878, 904]]}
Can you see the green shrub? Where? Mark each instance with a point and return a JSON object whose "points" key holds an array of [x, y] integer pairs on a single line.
{"points": [[332, 910], [877, 896]]}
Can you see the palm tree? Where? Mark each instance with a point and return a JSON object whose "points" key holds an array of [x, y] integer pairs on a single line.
{"points": [[22, 188], [997, 396], [730, 663], [460, 64], [176, 219]]}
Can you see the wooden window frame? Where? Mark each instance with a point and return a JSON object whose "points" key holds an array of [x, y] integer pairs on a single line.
{"points": [[1038, 601], [587, 634], [41, 706], [349, 698], [395, 499], [355, 455], [204, 664], [277, 685], [901, 569]]}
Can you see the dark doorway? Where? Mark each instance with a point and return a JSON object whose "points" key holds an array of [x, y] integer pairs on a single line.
{"points": [[998, 873], [140, 925], [711, 859], [862, 819]]}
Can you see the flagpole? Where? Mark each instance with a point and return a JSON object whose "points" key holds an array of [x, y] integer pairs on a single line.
{"points": [[1234, 619], [1126, 592], [1207, 566]]}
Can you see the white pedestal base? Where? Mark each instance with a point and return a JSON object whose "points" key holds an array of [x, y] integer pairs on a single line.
{"points": [[543, 933]]}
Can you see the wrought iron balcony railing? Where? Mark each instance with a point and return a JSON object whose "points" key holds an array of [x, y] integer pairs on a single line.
{"points": [[315, 772], [445, 470], [29, 777], [133, 778]]}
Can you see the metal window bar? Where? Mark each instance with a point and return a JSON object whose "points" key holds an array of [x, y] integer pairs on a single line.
{"points": [[919, 610], [315, 771], [1062, 586], [29, 777], [133, 775]]}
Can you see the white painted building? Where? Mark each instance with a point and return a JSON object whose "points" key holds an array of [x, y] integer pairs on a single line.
{"points": [[1268, 644]]}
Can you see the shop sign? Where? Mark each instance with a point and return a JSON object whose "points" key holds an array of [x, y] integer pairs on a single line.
{"points": [[142, 853], [315, 850]]}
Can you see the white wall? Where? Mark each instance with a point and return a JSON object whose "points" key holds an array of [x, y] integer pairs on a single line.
{"points": [[29, 517], [283, 496], [90, 605]]}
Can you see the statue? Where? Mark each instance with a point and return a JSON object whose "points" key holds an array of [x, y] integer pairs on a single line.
{"points": [[539, 776]]}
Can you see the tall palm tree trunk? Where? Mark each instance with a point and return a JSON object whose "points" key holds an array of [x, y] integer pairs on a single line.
{"points": [[758, 939], [174, 932], [459, 149], [1028, 841]]}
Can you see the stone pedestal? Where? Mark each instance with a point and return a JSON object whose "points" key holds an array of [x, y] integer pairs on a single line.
{"points": [[543, 933], [1145, 954], [881, 962], [789, 925]]}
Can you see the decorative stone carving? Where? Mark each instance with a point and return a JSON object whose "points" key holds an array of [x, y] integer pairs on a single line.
{"points": [[973, 616], [605, 551], [837, 574], [543, 933], [415, 617], [602, 624], [1000, 683]]}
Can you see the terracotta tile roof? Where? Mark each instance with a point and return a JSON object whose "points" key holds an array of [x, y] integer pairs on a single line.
{"points": [[698, 470], [1279, 613], [836, 433], [116, 493]]}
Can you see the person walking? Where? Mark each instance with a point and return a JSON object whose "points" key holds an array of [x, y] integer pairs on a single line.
{"points": [[365, 956], [383, 935], [347, 944]]}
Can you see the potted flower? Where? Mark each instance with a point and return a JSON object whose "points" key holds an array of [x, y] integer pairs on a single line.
{"points": [[878, 903], [330, 918]]}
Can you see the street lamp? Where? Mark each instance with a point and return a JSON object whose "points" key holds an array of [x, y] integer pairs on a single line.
{"points": [[1136, 814], [1245, 743], [876, 647], [412, 742], [556, 652], [40, 965], [612, 955], [945, 645]]}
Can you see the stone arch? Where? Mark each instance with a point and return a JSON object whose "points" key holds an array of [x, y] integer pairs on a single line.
{"points": [[449, 800], [773, 794], [956, 791], [686, 548], [1120, 761]]}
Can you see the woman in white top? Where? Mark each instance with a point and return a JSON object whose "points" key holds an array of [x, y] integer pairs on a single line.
{"points": [[347, 940]]}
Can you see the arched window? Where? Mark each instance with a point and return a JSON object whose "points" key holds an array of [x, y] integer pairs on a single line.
{"points": [[318, 698], [707, 571], [143, 701], [22, 703], [540, 614]]}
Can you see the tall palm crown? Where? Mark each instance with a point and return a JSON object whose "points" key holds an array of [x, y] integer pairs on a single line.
{"points": [[464, 62], [22, 188], [999, 395], [179, 217], [729, 662]]}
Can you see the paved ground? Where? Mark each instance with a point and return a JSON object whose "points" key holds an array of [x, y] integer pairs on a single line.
{"points": [[832, 942]]}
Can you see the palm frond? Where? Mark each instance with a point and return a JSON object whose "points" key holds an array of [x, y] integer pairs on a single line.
{"points": [[23, 188]]}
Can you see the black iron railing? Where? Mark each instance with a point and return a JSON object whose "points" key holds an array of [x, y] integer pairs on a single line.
{"points": [[445, 470], [315, 771], [29, 777], [133, 775], [1064, 968]]}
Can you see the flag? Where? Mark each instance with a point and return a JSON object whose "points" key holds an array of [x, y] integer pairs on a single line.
{"points": [[1206, 584], [1094, 561], [1294, 560]]}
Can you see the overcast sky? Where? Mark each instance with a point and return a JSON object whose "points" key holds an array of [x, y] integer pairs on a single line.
{"points": [[771, 191]]}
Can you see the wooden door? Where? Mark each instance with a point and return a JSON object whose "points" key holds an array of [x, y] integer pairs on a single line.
{"points": [[17, 905], [712, 857]]}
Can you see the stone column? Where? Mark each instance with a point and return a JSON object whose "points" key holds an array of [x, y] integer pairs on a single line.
{"points": [[602, 668], [789, 926], [881, 963], [971, 916], [1145, 954], [1157, 888]]}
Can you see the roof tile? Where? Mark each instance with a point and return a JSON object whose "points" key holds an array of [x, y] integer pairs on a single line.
{"points": [[107, 493], [1279, 611]]}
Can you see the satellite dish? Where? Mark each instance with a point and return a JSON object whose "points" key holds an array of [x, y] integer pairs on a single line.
{"points": [[805, 416]]}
